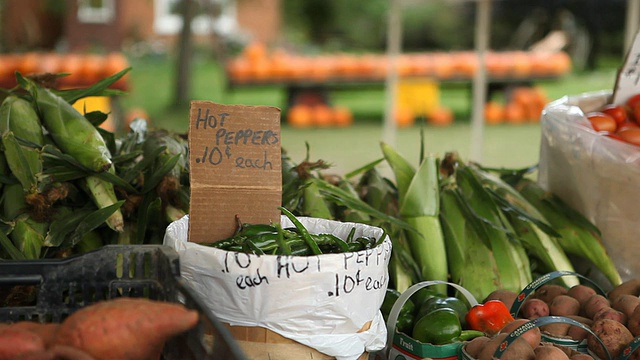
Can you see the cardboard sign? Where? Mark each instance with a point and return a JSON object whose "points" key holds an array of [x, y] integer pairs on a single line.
{"points": [[628, 80], [235, 168]]}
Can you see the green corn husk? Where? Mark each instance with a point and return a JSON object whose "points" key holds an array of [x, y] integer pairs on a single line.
{"points": [[13, 201], [418, 193], [471, 261], [578, 236], [22, 138], [513, 263], [28, 236], [537, 236], [69, 129]]}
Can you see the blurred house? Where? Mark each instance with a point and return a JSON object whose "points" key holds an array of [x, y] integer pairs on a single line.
{"points": [[109, 25]]}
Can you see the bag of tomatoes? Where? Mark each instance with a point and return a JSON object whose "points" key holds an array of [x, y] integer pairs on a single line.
{"points": [[590, 158]]}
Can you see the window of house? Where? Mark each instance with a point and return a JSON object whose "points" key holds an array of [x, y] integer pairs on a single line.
{"points": [[96, 11], [212, 16]]}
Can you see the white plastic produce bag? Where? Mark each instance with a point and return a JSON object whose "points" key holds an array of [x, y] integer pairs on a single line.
{"points": [[319, 301], [597, 175]]}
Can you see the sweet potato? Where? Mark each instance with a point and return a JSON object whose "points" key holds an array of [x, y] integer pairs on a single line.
{"points": [[614, 335], [46, 331], [581, 357], [630, 287], [125, 328], [563, 305], [582, 293], [534, 308], [57, 352], [547, 292], [15, 342], [594, 304]]}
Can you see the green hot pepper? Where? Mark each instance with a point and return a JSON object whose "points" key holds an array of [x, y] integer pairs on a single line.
{"points": [[439, 327]]}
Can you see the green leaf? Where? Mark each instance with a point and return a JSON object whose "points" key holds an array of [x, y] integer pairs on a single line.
{"points": [[97, 89], [363, 169], [344, 198], [154, 179], [8, 246]]}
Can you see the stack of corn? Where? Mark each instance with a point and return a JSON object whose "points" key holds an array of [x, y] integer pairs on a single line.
{"points": [[70, 186]]}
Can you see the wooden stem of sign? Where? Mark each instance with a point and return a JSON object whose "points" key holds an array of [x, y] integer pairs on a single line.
{"points": [[480, 79], [394, 40], [631, 24]]}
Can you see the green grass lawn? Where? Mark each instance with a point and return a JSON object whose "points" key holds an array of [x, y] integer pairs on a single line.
{"points": [[504, 145]]}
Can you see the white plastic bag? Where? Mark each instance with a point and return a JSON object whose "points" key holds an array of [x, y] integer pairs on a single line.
{"points": [[597, 175], [319, 301]]}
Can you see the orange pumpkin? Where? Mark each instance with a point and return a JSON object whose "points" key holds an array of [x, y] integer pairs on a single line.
{"points": [[440, 116], [322, 115], [493, 112], [299, 116], [404, 116], [514, 113], [342, 116]]}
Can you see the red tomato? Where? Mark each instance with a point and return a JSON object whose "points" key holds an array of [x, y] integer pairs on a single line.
{"points": [[626, 125], [633, 101], [617, 112], [602, 122], [631, 136]]}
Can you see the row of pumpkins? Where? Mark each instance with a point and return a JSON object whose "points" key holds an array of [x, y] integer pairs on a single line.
{"points": [[83, 69], [522, 105], [258, 64]]}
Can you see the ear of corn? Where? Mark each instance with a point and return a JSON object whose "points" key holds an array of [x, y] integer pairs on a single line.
{"points": [[471, 262], [103, 195], [578, 236], [418, 193], [528, 224], [509, 254], [70, 130], [21, 138]]}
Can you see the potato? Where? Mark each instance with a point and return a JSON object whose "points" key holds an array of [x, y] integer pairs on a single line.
{"points": [[508, 297], [534, 308], [474, 346], [548, 292], [594, 304], [633, 322], [563, 305], [549, 352], [582, 293], [581, 357], [137, 328], [532, 336], [559, 330], [15, 342], [611, 313], [614, 335], [626, 303], [518, 350], [577, 333], [629, 287]]}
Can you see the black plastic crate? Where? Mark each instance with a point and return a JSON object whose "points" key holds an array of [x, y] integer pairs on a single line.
{"points": [[61, 286]]}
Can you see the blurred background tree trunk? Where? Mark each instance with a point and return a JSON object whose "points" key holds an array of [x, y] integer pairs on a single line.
{"points": [[183, 70]]}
